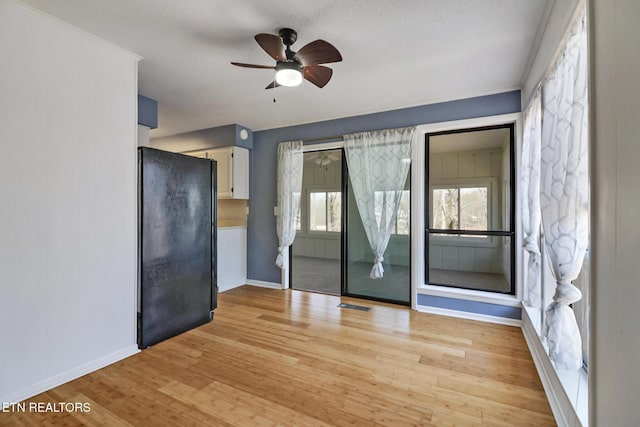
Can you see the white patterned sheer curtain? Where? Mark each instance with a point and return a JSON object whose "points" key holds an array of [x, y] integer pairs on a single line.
{"points": [[564, 193], [290, 160], [530, 184], [378, 164]]}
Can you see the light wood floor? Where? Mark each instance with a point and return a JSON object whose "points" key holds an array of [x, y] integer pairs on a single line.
{"points": [[293, 358]]}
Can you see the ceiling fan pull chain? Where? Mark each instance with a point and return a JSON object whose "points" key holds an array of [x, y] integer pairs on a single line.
{"points": [[275, 86]]}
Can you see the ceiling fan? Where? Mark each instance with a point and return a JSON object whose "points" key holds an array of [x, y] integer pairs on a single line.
{"points": [[321, 158], [291, 67]]}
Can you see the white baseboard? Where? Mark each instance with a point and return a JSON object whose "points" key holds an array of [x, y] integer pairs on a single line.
{"points": [[263, 284], [229, 287], [69, 375], [468, 315], [560, 404]]}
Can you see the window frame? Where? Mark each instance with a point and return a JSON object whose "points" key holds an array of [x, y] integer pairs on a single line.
{"points": [[307, 217], [422, 243], [479, 241]]}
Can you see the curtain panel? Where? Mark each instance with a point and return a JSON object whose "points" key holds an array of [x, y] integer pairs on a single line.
{"points": [[530, 198], [289, 187], [378, 164], [564, 192]]}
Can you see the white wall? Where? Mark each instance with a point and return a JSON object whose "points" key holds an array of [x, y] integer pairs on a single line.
{"points": [[232, 257], [143, 136], [615, 151], [68, 189]]}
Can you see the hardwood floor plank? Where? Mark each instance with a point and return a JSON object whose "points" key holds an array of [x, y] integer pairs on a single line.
{"points": [[291, 358]]}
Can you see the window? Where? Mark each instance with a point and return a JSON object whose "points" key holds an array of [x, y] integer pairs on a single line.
{"points": [[403, 219], [469, 195], [325, 211], [385, 202], [460, 208]]}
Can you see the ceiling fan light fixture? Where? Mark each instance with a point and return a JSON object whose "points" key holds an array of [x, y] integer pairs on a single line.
{"points": [[288, 74], [323, 161]]}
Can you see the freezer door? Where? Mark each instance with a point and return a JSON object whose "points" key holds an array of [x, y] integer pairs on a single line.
{"points": [[175, 244]]}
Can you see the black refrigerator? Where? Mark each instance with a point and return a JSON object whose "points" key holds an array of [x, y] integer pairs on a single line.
{"points": [[177, 271]]}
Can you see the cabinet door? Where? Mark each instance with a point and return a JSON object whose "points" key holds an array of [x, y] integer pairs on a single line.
{"points": [[240, 171], [225, 182], [233, 170]]}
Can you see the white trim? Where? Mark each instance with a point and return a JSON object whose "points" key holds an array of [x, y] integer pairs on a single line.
{"points": [[418, 203], [416, 237], [263, 284], [69, 375], [321, 147], [468, 315], [560, 403], [222, 289], [469, 295], [545, 54], [518, 129], [469, 123]]}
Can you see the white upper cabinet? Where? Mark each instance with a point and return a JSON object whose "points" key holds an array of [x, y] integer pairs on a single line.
{"points": [[233, 170]]}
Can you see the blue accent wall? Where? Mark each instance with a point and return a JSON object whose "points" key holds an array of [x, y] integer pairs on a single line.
{"points": [[147, 112], [261, 232], [470, 306]]}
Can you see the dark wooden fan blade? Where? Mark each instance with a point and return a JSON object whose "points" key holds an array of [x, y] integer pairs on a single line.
{"points": [[273, 45], [317, 52], [272, 85], [318, 75], [241, 64]]}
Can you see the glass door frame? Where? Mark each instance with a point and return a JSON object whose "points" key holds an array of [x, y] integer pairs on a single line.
{"points": [[328, 146], [344, 292], [345, 244], [495, 233]]}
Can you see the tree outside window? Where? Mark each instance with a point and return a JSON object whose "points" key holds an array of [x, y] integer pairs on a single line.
{"points": [[325, 211], [385, 202], [460, 208]]}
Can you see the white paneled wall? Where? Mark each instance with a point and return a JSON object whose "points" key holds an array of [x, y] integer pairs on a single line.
{"points": [[466, 258], [319, 246], [68, 189], [614, 377]]}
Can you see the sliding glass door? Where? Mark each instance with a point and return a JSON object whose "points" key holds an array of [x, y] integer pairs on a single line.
{"points": [[395, 285], [331, 253], [316, 255]]}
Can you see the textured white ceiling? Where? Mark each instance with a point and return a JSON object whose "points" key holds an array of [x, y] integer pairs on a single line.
{"points": [[397, 53]]}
